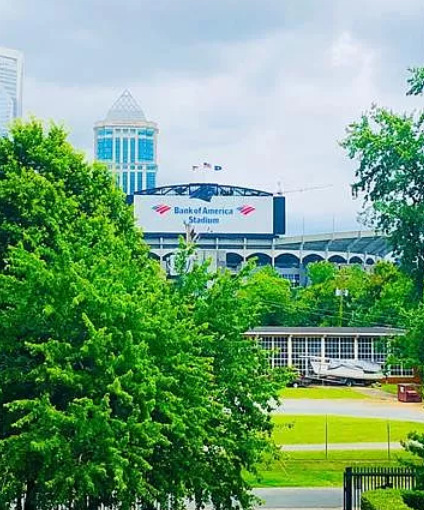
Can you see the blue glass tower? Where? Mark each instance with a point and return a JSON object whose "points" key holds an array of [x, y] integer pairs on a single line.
{"points": [[127, 143]]}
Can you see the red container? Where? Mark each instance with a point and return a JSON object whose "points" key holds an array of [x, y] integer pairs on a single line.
{"points": [[409, 393]]}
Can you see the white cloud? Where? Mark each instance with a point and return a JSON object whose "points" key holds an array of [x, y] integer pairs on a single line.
{"points": [[268, 107]]}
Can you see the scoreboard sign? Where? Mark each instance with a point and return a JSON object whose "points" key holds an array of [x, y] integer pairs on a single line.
{"points": [[169, 214]]}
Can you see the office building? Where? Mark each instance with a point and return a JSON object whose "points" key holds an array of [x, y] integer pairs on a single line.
{"points": [[11, 73], [127, 143]]}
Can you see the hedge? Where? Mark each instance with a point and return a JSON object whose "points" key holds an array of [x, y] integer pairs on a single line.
{"points": [[390, 499], [383, 499], [414, 499]]}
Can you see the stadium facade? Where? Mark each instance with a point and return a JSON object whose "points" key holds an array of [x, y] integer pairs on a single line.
{"points": [[233, 224]]}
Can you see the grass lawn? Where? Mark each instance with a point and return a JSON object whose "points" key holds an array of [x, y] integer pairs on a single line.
{"points": [[327, 392], [311, 469], [300, 429], [390, 388]]}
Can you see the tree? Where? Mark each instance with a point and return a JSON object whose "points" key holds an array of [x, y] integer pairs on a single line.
{"points": [[381, 297], [114, 387], [271, 294], [96, 367], [243, 384], [389, 149]]}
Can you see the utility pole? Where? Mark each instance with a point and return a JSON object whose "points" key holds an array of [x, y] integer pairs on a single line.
{"points": [[341, 294]]}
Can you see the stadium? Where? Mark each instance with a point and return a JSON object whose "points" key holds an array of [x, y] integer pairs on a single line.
{"points": [[233, 224]]}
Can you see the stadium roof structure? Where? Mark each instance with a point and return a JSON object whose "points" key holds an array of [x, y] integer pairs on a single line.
{"points": [[125, 109], [363, 241], [205, 189]]}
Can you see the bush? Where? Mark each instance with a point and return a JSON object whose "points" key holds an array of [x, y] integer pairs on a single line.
{"points": [[414, 499], [386, 499], [383, 499]]}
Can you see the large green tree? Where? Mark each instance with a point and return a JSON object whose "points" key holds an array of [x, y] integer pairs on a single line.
{"points": [[389, 150], [243, 384], [114, 383]]}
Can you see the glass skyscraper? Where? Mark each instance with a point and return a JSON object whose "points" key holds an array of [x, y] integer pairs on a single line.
{"points": [[11, 73], [127, 142]]}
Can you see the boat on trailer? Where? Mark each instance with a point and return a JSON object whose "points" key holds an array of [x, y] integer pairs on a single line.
{"points": [[342, 371]]}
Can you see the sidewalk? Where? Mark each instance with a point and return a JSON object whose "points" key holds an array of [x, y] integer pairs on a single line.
{"points": [[340, 446], [301, 498]]}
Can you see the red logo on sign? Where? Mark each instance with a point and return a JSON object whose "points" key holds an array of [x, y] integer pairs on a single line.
{"points": [[246, 209], [161, 209]]}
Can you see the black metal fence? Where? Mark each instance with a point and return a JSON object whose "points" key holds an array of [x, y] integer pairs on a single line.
{"points": [[360, 479]]}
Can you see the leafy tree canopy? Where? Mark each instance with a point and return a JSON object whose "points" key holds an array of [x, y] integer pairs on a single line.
{"points": [[389, 150], [115, 385]]}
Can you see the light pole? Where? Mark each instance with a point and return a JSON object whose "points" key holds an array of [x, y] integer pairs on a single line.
{"points": [[341, 294]]}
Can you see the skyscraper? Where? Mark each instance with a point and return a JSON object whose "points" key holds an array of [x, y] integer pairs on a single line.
{"points": [[11, 73], [127, 142]]}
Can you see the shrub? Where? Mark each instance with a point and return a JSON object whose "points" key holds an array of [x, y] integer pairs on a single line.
{"points": [[414, 499], [386, 499], [383, 499]]}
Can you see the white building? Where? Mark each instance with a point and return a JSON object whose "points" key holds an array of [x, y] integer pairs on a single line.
{"points": [[292, 346], [11, 75]]}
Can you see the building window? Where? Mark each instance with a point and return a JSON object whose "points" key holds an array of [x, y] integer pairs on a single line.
{"points": [[380, 350], [150, 180], [332, 347], [118, 150], [125, 182], [139, 181], [281, 352], [299, 353], [132, 150], [365, 348], [132, 183], [314, 346], [347, 348], [125, 150], [266, 342]]}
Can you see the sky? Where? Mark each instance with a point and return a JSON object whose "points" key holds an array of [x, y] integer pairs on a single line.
{"points": [[263, 88]]}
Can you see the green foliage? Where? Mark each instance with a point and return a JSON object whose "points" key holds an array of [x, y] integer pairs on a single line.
{"points": [[389, 150], [383, 296], [376, 298], [115, 385], [242, 383], [271, 295], [416, 81], [383, 499], [414, 499]]}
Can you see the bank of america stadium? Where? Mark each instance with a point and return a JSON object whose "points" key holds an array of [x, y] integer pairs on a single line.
{"points": [[233, 224]]}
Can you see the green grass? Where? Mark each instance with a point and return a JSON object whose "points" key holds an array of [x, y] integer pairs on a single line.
{"points": [[300, 429], [390, 388], [312, 469], [323, 392]]}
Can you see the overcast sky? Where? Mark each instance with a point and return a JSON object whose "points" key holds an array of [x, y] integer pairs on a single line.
{"points": [[264, 88]]}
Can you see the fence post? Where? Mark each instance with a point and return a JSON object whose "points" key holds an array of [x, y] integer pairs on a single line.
{"points": [[326, 436], [348, 489]]}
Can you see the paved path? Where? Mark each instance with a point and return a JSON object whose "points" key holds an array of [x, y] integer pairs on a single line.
{"points": [[340, 446], [297, 498], [359, 408]]}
